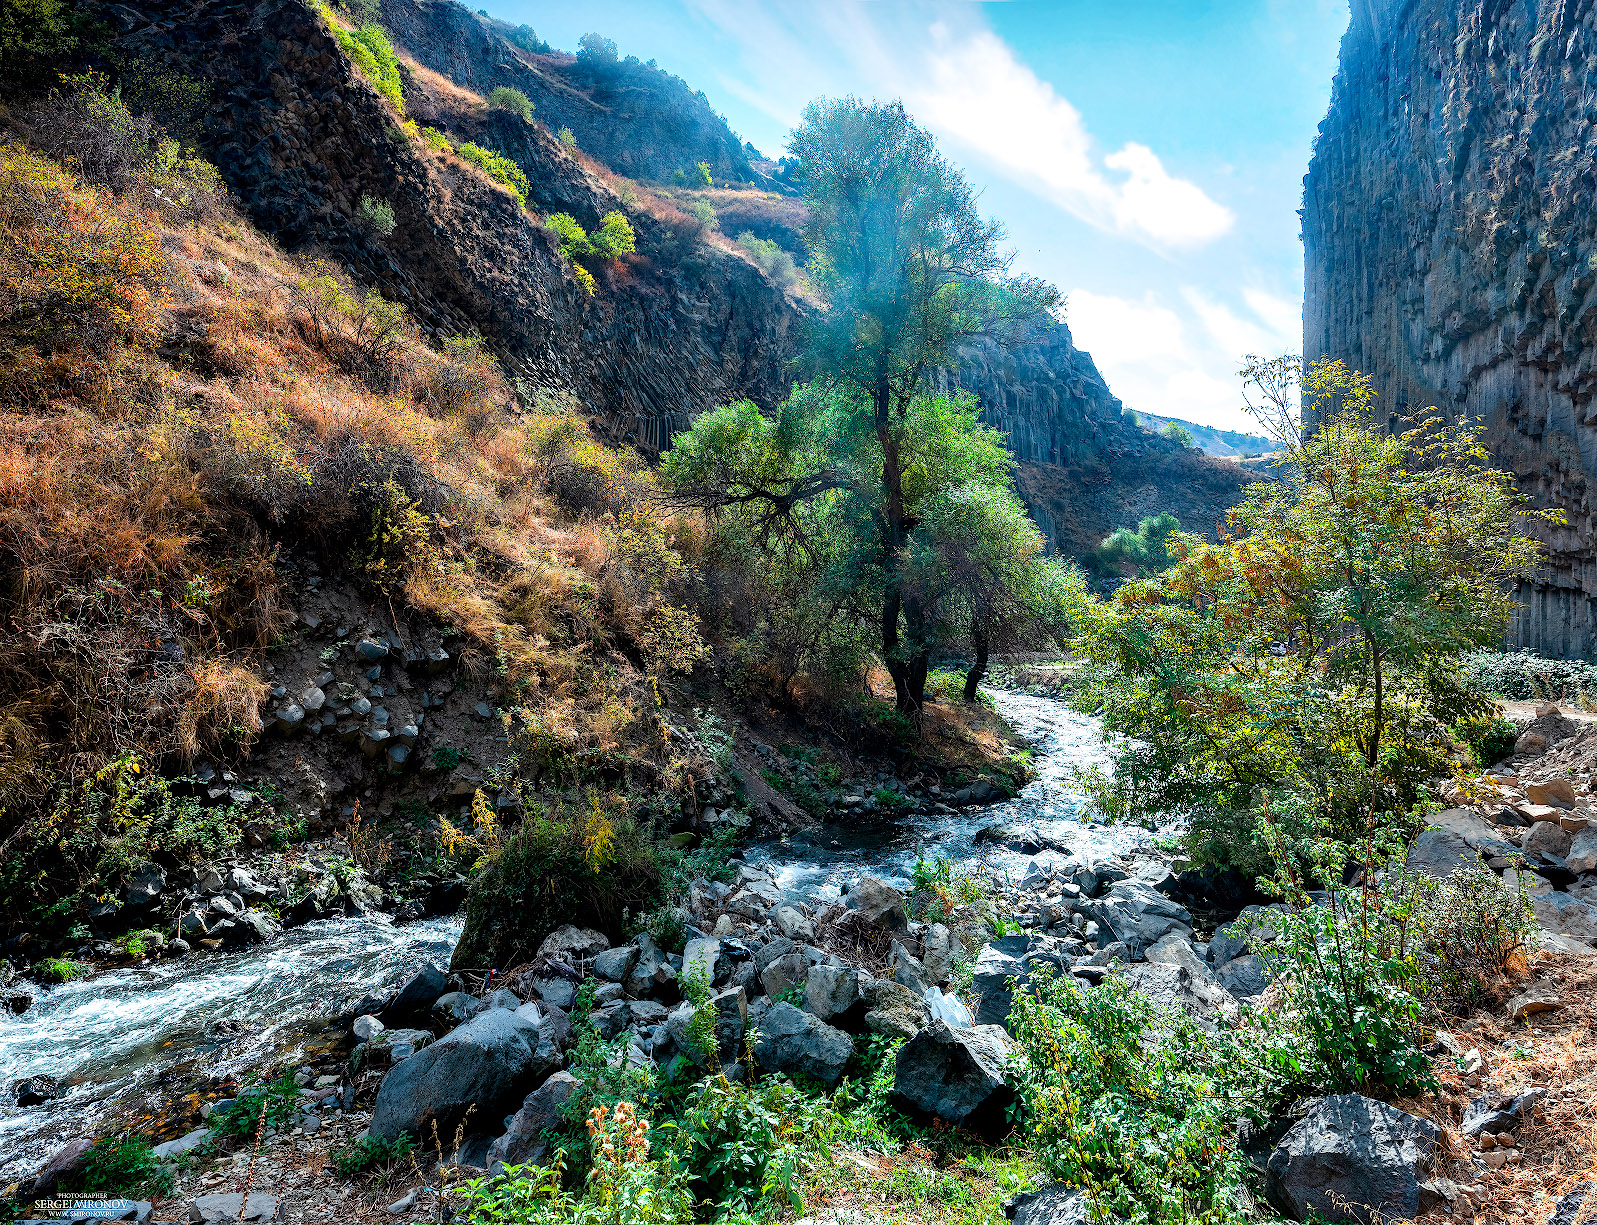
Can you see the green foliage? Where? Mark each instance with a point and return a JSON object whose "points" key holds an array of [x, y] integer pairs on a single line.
{"points": [[434, 139], [1473, 932], [771, 259], [1126, 1103], [525, 37], [568, 141], [279, 1097], [1177, 433], [702, 172], [372, 1153], [126, 1167], [1144, 549], [1524, 676], [742, 1147], [368, 47], [33, 33], [614, 237], [596, 51], [704, 213], [505, 98], [498, 168], [573, 239], [1315, 649], [59, 970], [375, 216], [1490, 738], [591, 865]]}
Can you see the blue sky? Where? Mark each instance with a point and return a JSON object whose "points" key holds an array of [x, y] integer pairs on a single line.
{"points": [[1147, 156]]}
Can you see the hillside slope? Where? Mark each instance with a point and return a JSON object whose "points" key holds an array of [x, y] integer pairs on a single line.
{"points": [[1450, 243]]}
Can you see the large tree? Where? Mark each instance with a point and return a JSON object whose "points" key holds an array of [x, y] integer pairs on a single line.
{"points": [[908, 270]]}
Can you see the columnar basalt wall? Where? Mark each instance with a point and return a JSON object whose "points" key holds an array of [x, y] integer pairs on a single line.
{"points": [[1450, 250]]}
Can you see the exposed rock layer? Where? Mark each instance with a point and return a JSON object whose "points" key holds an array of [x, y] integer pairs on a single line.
{"points": [[1450, 249]]}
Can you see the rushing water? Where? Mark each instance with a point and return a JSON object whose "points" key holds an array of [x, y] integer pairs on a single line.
{"points": [[818, 864], [115, 1038], [110, 1038]]}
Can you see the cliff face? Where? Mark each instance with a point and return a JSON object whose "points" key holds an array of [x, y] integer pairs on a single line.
{"points": [[301, 137], [638, 120], [1450, 249]]}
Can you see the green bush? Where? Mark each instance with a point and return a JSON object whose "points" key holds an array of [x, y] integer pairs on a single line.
{"points": [[702, 170], [1525, 677], [375, 216], [504, 98], [434, 139], [590, 865], [279, 1097], [771, 259], [1474, 930], [371, 1153], [573, 239], [56, 970], [525, 37], [596, 51], [703, 212], [568, 141], [126, 1167], [1176, 432], [1124, 1102], [369, 49], [614, 237], [498, 168], [1490, 738]]}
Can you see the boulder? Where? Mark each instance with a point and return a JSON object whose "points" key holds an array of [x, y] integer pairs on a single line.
{"points": [[502, 999], [454, 1008], [1438, 853], [1559, 792], [1244, 977], [1175, 987], [1053, 1203], [524, 1141], [799, 1044], [792, 924], [703, 957], [1548, 838], [956, 1075], [183, 1144], [1351, 1158], [1495, 1112], [1136, 914], [1567, 916], [231, 1206], [66, 1163], [1176, 950], [490, 1063], [782, 974], [833, 993], [1250, 928], [366, 1027], [731, 1011], [893, 1009], [1011, 957], [907, 969], [877, 902], [418, 995], [573, 944], [1582, 855], [940, 952], [613, 965], [143, 887]]}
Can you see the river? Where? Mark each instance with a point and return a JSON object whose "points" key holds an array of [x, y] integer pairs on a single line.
{"points": [[112, 1039]]}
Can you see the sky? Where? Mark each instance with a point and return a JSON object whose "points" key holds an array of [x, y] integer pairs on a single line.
{"points": [[1146, 156]]}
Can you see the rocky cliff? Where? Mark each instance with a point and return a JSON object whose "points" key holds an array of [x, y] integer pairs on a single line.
{"points": [[1450, 249]]}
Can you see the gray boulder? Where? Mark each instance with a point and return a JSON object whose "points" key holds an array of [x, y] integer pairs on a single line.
{"points": [[183, 1144], [1052, 1203], [1495, 1112], [1244, 977], [1136, 914], [782, 974], [1176, 988], [833, 993], [1351, 1158], [939, 953], [455, 1008], [893, 1009], [231, 1206], [418, 995], [802, 1045], [956, 1075], [1250, 929], [613, 965], [731, 1011], [1176, 950], [1548, 838], [143, 887], [1582, 855], [570, 943], [524, 1142], [877, 902], [490, 1063], [1566, 915], [1011, 957], [702, 956], [1438, 853]]}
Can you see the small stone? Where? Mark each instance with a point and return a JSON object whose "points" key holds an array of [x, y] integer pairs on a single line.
{"points": [[370, 648], [1533, 1001]]}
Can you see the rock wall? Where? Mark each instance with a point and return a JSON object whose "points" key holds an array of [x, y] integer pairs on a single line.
{"points": [[1450, 249], [300, 137]]}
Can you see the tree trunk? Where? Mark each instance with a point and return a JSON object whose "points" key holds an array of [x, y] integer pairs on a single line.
{"points": [[979, 668], [909, 676], [896, 667]]}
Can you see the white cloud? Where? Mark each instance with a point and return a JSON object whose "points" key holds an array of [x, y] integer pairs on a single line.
{"points": [[978, 94], [1179, 363]]}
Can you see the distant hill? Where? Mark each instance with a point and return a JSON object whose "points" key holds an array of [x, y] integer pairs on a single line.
{"points": [[1228, 444]]}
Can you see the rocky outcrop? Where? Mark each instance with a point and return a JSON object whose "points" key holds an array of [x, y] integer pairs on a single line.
{"points": [[1450, 250]]}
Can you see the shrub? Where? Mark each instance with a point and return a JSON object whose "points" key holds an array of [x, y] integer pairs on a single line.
{"points": [[704, 213], [1178, 433], [589, 864], [375, 216], [372, 1153], [702, 171], [614, 237], [434, 139], [525, 37], [126, 1167], [279, 1098], [570, 235], [1473, 931], [57, 970], [1122, 1101], [596, 51], [464, 378], [498, 168], [371, 52], [504, 98], [568, 141], [1490, 739], [1525, 676], [771, 259]]}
